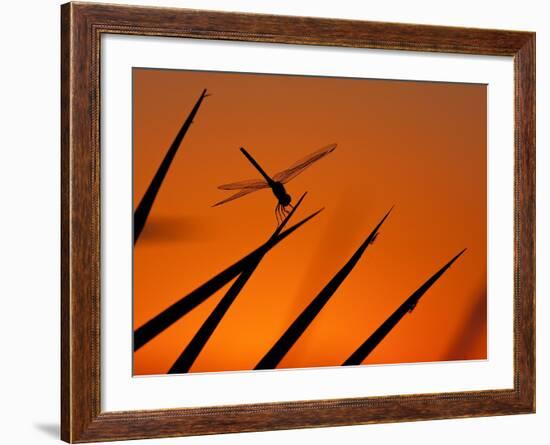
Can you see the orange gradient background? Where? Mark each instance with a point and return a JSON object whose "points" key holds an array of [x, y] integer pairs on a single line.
{"points": [[418, 145]]}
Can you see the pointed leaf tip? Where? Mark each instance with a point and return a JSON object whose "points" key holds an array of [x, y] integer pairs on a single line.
{"points": [[457, 256]]}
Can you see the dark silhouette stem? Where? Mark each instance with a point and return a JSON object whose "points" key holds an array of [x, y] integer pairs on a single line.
{"points": [[191, 352], [169, 316], [144, 207], [297, 328], [410, 303]]}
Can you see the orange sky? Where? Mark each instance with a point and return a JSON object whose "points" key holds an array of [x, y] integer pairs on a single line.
{"points": [[418, 145]]}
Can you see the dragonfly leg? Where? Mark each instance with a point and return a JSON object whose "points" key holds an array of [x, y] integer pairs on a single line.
{"points": [[281, 213], [277, 208]]}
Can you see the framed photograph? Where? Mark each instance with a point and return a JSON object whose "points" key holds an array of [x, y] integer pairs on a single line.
{"points": [[275, 222]]}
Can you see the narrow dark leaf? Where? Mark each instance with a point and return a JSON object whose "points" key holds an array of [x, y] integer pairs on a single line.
{"points": [[410, 303], [191, 352], [173, 313], [297, 328], [144, 207]]}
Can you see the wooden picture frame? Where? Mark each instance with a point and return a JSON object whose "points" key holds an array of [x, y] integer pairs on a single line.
{"points": [[82, 25]]}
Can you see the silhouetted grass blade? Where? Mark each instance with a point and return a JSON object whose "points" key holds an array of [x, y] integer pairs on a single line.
{"points": [[173, 313], [410, 303], [297, 328], [144, 207], [197, 343], [191, 352]]}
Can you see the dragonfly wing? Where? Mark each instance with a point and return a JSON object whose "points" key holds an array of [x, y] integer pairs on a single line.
{"points": [[255, 184], [235, 196], [299, 166]]}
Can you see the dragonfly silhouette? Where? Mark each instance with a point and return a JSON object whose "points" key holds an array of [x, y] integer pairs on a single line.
{"points": [[276, 183]]}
